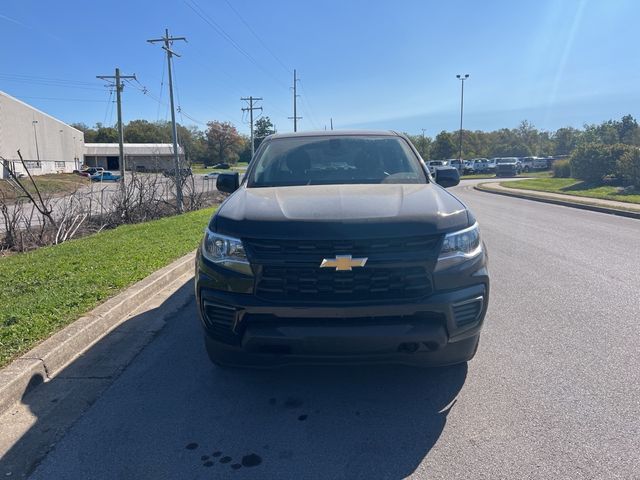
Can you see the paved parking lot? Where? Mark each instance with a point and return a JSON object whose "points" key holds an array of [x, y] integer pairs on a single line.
{"points": [[553, 392]]}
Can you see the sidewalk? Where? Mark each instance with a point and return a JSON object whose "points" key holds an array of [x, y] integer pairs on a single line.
{"points": [[595, 204]]}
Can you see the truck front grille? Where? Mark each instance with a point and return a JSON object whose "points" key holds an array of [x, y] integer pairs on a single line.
{"points": [[397, 268], [281, 250], [369, 283]]}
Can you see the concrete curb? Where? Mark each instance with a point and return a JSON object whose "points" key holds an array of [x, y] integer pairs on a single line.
{"points": [[52, 355], [482, 187]]}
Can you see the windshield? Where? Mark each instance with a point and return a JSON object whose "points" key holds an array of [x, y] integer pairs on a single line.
{"points": [[506, 160], [331, 160]]}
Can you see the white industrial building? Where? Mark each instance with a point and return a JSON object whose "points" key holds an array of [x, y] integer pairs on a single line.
{"points": [[145, 157], [47, 144]]}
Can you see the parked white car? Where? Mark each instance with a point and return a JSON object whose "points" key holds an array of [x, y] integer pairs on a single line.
{"points": [[435, 163], [477, 165], [533, 163]]}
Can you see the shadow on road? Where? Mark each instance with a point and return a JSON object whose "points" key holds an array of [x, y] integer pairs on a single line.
{"points": [[171, 414], [55, 405], [332, 422]]}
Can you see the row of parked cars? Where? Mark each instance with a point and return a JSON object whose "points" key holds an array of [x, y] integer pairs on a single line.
{"points": [[501, 166]]}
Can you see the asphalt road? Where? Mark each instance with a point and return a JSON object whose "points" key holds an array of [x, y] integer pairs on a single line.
{"points": [[554, 391]]}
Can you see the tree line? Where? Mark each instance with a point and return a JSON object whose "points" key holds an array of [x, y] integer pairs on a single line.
{"points": [[526, 140], [218, 142], [221, 141]]}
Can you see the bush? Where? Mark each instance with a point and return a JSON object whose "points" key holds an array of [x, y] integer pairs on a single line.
{"points": [[592, 162], [628, 166], [561, 169]]}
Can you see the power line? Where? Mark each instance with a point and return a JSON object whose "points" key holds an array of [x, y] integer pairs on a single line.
{"points": [[109, 105], [217, 28], [161, 87], [305, 99], [235, 86], [42, 83], [287, 69], [145, 91], [66, 99], [39, 78]]}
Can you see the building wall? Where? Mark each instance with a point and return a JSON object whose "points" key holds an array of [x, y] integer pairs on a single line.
{"points": [[149, 163], [59, 146]]}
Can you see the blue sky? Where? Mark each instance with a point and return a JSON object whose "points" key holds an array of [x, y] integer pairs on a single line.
{"points": [[367, 64]]}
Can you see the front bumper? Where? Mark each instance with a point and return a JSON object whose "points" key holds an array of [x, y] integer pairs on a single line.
{"points": [[245, 329]]}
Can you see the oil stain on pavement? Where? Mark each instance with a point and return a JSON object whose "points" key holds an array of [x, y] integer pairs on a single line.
{"points": [[249, 460]]}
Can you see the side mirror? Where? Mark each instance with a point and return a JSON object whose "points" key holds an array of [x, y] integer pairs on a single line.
{"points": [[447, 176], [228, 182]]}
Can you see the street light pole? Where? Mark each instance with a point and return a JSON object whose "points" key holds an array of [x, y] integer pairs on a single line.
{"points": [[462, 78], [35, 134]]}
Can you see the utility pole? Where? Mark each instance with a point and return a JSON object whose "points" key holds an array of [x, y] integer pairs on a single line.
{"points": [[250, 109], [295, 102], [331, 123], [168, 42], [462, 78], [119, 87]]}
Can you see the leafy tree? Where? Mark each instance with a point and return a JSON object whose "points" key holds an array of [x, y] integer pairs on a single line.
{"points": [[104, 134], [194, 142], [224, 142], [593, 161], [565, 140], [245, 151], [443, 146], [628, 131], [628, 166], [142, 131], [263, 128], [422, 144], [89, 133]]}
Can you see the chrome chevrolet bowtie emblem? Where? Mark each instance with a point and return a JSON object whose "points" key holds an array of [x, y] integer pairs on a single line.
{"points": [[343, 262]]}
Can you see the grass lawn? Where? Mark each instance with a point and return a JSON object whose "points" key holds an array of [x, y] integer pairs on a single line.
{"points": [[200, 168], [477, 176], [44, 290], [53, 184], [572, 186], [543, 174]]}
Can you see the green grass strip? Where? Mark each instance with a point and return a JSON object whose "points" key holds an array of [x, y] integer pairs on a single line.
{"points": [[45, 290], [572, 186]]}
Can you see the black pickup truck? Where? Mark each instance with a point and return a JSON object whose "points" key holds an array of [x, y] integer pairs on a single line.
{"points": [[340, 247]]}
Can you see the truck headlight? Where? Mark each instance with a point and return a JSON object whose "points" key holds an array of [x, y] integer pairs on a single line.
{"points": [[460, 246], [227, 252]]}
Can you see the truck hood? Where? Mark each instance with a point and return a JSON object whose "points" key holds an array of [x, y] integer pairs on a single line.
{"points": [[338, 211]]}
